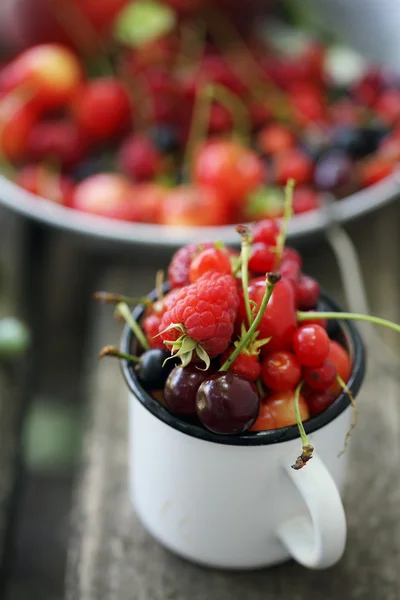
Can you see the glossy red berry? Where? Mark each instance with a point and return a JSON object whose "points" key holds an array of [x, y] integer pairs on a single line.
{"points": [[307, 292], [280, 371], [279, 320], [102, 108], [59, 141], [179, 267], [304, 200], [151, 328], [106, 195], [262, 258], [375, 169], [265, 420], [210, 260], [274, 138], [281, 406], [340, 358], [266, 231], [229, 167], [311, 345], [139, 158], [320, 378], [245, 365], [293, 164], [317, 402], [194, 206]]}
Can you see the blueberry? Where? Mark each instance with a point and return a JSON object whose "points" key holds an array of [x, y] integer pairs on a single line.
{"points": [[91, 166], [358, 142], [166, 138], [151, 371]]}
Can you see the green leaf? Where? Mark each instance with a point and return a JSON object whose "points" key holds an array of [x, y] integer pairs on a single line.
{"points": [[143, 21]]}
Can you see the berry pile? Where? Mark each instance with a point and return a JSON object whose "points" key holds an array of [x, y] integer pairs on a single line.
{"points": [[194, 128], [239, 341]]}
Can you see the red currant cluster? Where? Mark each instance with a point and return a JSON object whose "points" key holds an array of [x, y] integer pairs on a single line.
{"points": [[152, 140]]}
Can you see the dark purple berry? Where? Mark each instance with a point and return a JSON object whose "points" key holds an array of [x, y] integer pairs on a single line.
{"points": [[333, 170], [151, 370], [181, 388], [227, 403]]}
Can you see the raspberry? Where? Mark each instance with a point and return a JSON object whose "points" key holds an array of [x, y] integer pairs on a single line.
{"points": [[202, 318], [178, 270], [246, 365]]}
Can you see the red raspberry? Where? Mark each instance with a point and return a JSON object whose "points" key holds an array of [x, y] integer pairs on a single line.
{"points": [[178, 270], [203, 318], [246, 365]]}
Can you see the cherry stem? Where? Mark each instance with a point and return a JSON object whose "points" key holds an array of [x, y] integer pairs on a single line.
{"points": [[159, 284], [113, 351], [237, 109], [110, 298], [287, 215], [307, 448], [198, 127], [271, 280], [123, 310], [344, 387], [245, 234], [311, 315], [303, 435]]}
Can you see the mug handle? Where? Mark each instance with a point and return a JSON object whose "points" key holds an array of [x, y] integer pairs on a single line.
{"points": [[318, 542]]}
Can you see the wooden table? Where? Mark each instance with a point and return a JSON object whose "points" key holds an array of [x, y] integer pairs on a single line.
{"points": [[111, 556]]}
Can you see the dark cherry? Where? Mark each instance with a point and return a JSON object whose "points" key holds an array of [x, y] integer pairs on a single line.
{"points": [[227, 403], [151, 371], [181, 388], [333, 170], [91, 166]]}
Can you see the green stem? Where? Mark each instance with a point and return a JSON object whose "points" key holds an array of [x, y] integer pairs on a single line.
{"points": [[245, 255], [287, 215], [123, 310], [108, 298], [271, 281], [303, 435], [237, 109], [113, 351], [304, 316], [198, 127]]}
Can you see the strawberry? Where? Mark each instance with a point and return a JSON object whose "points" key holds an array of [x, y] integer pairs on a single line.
{"points": [[202, 319], [245, 364]]}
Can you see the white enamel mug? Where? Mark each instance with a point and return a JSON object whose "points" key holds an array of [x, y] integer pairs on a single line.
{"points": [[234, 501]]}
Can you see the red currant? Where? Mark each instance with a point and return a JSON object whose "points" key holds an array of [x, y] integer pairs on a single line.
{"points": [[320, 378], [311, 345], [266, 231], [307, 292], [319, 401], [275, 138], [280, 371], [262, 258]]}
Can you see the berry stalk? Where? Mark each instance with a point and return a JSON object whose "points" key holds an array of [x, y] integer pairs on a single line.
{"points": [[305, 316], [198, 126], [287, 215], [245, 234], [307, 448], [109, 298], [123, 310], [113, 351], [237, 109], [271, 280]]}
